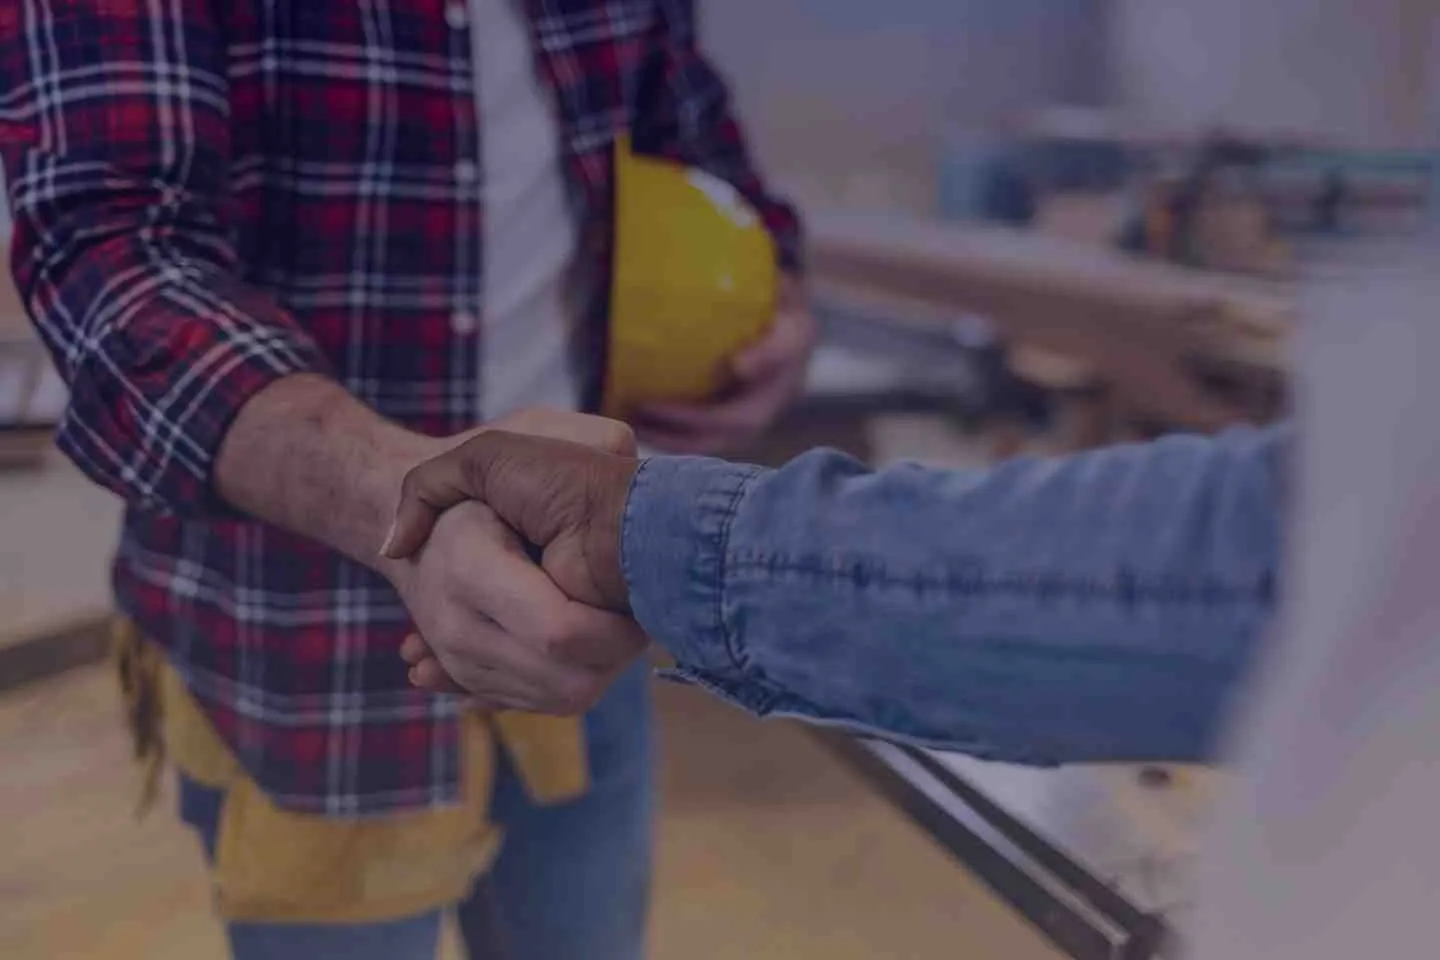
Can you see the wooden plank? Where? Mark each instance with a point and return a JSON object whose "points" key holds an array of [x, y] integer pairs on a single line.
{"points": [[1138, 325], [1041, 283], [79, 640]]}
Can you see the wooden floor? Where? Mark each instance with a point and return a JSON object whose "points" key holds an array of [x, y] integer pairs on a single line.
{"points": [[769, 849]]}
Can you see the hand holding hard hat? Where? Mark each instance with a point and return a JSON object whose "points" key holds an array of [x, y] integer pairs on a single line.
{"points": [[708, 343]]}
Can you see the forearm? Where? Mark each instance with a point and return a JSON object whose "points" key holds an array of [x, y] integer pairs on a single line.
{"points": [[122, 252], [1099, 607], [306, 456]]}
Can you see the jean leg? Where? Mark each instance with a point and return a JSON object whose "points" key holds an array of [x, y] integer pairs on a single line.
{"points": [[410, 938], [572, 882]]}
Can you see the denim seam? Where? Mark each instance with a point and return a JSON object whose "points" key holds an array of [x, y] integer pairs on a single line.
{"points": [[1126, 589], [627, 517], [733, 646]]}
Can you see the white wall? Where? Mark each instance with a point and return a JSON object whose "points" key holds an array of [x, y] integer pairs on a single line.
{"points": [[853, 99], [1360, 70]]}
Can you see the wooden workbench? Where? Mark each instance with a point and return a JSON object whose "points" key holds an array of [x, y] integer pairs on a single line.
{"points": [[1141, 327]]}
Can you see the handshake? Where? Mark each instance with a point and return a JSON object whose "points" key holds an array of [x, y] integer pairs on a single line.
{"points": [[507, 551]]}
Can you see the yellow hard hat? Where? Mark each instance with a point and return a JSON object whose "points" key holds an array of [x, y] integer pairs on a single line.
{"points": [[694, 282]]}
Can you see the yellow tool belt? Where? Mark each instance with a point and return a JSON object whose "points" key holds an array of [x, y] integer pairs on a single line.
{"points": [[276, 865]]}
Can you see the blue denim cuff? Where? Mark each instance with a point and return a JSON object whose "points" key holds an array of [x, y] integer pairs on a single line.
{"points": [[673, 547]]}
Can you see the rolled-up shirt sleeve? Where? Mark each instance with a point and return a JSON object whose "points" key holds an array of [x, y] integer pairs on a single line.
{"points": [[676, 534], [114, 133], [1102, 607]]}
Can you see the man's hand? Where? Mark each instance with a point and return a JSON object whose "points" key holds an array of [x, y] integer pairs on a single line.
{"points": [[568, 500], [598, 433], [500, 628], [308, 457], [766, 379]]}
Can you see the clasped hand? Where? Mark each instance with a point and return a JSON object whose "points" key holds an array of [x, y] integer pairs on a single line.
{"points": [[492, 624]]}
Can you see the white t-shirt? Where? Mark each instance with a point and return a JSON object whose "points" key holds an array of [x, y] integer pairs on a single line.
{"points": [[1328, 848], [530, 308]]}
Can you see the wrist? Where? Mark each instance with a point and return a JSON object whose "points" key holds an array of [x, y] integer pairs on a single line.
{"points": [[310, 458], [605, 530], [378, 485]]}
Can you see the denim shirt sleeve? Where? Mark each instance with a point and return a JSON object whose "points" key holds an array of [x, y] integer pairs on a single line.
{"points": [[1100, 607]]}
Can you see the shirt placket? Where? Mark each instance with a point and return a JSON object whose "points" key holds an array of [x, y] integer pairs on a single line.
{"points": [[462, 400]]}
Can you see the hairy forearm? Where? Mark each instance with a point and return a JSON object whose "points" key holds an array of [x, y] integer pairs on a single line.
{"points": [[306, 456]]}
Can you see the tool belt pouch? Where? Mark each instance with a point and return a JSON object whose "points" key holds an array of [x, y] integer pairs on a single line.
{"points": [[276, 866]]}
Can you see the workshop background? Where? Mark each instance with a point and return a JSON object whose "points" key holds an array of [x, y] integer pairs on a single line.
{"points": [[1027, 143]]}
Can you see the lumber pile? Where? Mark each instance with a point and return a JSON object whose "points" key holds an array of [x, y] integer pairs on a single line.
{"points": [[1143, 327]]}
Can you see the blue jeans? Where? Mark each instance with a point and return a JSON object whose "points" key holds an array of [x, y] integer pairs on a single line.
{"points": [[572, 882]]}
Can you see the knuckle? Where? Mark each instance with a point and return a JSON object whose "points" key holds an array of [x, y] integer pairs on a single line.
{"points": [[451, 630], [412, 483], [620, 438], [431, 675], [561, 637], [576, 695]]}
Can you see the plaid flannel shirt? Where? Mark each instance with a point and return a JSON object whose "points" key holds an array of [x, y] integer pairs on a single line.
{"points": [[209, 196]]}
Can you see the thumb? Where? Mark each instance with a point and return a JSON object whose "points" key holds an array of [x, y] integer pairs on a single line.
{"points": [[428, 491]]}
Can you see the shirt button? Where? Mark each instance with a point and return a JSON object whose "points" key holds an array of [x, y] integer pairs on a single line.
{"points": [[457, 15], [467, 171], [464, 323]]}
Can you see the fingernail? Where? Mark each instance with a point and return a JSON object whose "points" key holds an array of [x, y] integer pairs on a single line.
{"points": [[389, 541], [413, 676]]}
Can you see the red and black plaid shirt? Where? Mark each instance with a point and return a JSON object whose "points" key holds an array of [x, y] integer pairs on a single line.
{"points": [[208, 196]]}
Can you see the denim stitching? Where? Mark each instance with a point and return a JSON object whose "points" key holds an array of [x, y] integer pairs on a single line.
{"points": [[627, 519], [1126, 588], [732, 511]]}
